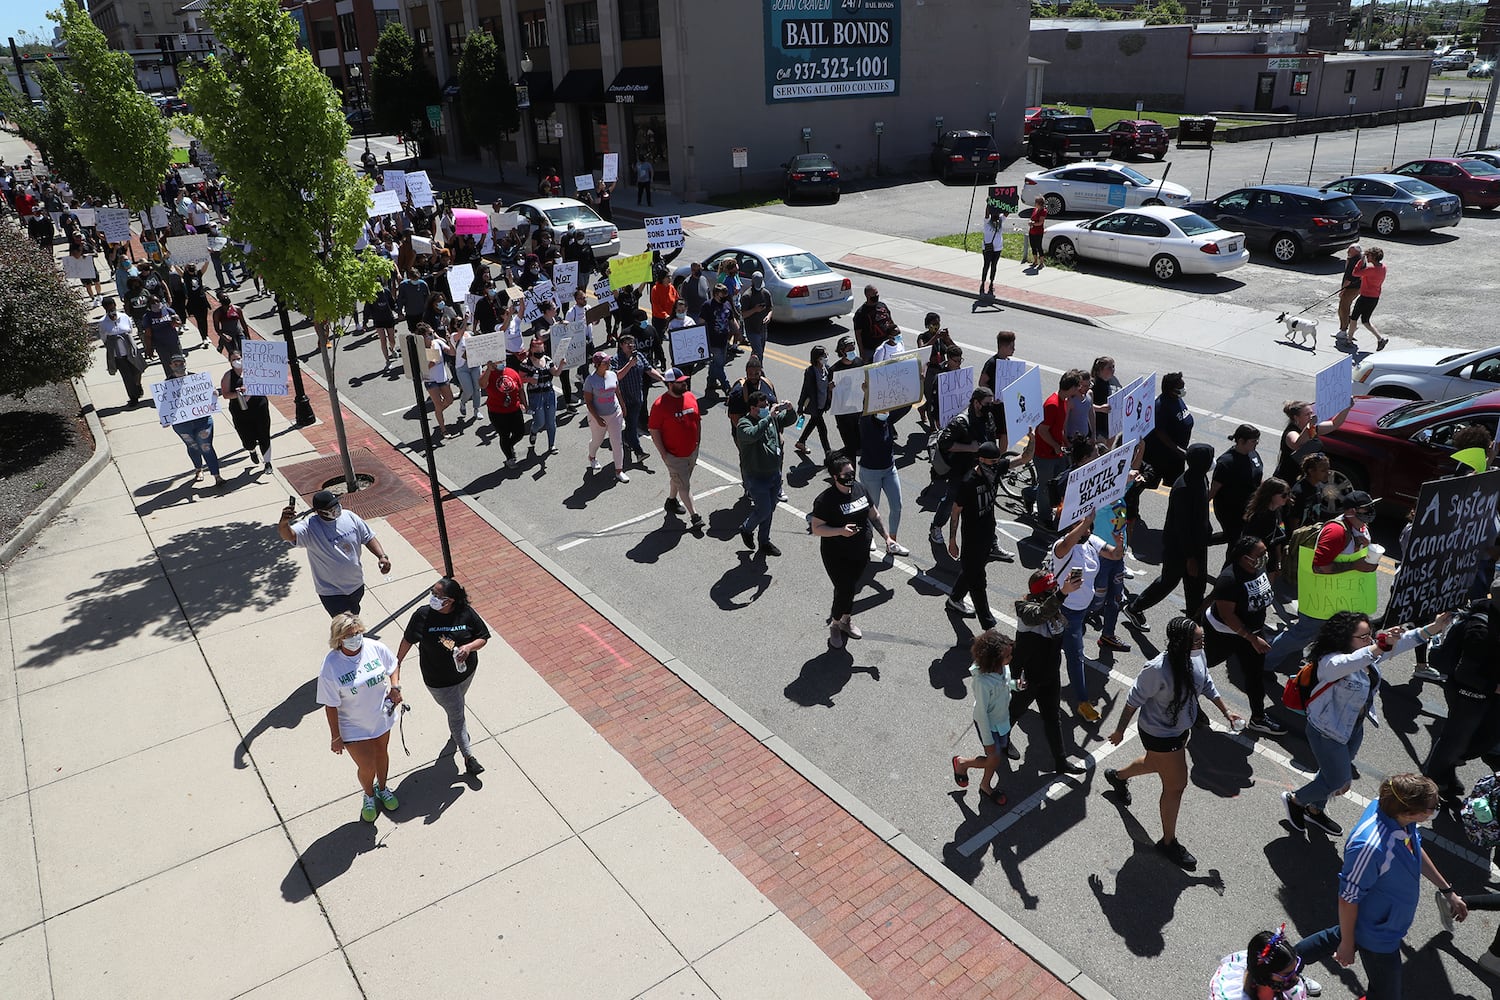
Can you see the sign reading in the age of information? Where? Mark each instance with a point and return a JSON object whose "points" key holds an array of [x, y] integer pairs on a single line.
{"points": [[820, 49], [179, 400]]}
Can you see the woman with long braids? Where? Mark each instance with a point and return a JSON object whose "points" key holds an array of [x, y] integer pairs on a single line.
{"points": [[1166, 695]]}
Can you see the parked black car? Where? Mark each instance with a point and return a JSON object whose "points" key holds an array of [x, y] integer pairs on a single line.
{"points": [[1287, 219], [811, 174], [966, 153], [1067, 137]]}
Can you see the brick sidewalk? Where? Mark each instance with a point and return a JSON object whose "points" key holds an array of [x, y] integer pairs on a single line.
{"points": [[892, 929]]}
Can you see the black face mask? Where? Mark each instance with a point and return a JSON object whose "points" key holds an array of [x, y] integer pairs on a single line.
{"points": [[846, 478]]}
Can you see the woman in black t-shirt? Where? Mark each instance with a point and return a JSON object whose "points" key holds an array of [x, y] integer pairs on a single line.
{"points": [[448, 634], [1235, 622], [842, 517]]}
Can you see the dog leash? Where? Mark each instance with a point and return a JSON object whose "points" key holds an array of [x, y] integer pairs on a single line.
{"points": [[1321, 301]]}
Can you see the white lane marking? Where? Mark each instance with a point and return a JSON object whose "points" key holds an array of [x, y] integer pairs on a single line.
{"points": [[655, 512], [392, 413]]}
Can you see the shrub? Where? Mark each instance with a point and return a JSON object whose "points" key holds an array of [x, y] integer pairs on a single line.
{"points": [[45, 335]]}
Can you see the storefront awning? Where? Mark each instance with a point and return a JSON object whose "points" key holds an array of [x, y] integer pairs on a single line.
{"points": [[580, 86], [638, 85], [539, 83]]}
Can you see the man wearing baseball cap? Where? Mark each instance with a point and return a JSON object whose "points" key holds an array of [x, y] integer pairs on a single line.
{"points": [[676, 426], [1343, 547], [333, 537]]}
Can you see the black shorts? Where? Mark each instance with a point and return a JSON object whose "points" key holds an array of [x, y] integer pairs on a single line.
{"points": [[1165, 744], [1364, 306], [1036, 242], [411, 323]]}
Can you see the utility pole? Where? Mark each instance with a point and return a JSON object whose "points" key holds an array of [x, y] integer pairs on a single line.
{"points": [[1489, 113], [15, 56]]}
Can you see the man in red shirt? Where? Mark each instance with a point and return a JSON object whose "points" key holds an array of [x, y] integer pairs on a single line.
{"points": [[505, 398], [1052, 450], [676, 427]]}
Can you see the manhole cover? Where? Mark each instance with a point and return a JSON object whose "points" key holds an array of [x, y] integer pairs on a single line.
{"points": [[340, 485]]}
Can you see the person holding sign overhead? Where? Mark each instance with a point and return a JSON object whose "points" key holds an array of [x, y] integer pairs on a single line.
{"points": [[196, 434], [251, 414]]}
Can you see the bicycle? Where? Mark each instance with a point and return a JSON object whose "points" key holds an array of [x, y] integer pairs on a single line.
{"points": [[1016, 479]]}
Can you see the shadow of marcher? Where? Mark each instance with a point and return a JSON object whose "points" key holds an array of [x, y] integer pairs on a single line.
{"points": [[326, 858], [750, 575], [115, 606], [967, 867], [824, 676], [594, 484], [1146, 890], [1307, 870], [658, 541], [1219, 763], [288, 715], [949, 673], [428, 792], [1401, 709]]}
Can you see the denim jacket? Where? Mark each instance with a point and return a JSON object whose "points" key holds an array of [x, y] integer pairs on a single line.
{"points": [[1354, 679]]}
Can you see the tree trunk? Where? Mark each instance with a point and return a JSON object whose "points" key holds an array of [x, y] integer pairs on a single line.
{"points": [[325, 344]]}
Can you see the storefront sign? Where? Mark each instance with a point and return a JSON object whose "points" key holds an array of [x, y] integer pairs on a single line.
{"points": [[832, 48], [1288, 62]]}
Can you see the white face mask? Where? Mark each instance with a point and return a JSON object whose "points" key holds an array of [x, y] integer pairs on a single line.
{"points": [[436, 603], [354, 643], [237, 365]]}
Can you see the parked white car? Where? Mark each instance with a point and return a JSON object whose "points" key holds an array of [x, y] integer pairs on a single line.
{"points": [[1099, 186], [1168, 241], [802, 287], [557, 214], [1434, 373]]}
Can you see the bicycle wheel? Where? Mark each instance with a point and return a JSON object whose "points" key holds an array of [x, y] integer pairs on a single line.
{"points": [[1017, 479]]}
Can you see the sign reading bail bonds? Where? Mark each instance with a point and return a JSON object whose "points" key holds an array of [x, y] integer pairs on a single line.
{"points": [[832, 48]]}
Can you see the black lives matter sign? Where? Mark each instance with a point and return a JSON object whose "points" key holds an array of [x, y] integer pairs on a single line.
{"points": [[1455, 521]]}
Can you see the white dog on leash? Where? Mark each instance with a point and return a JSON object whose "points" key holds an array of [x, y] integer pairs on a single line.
{"points": [[1300, 328]]}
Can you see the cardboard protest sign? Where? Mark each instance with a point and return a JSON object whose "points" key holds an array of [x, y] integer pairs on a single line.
{"points": [[893, 384], [1096, 484], [1023, 401], [604, 293], [114, 224], [953, 391], [419, 189], [86, 217], [1454, 523], [179, 400], [632, 270], [80, 268], [383, 203], [689, 343], [460, 277], [565, 280], [599, 311], [569, 342], [191, 249], [470, 222], [190, 175], [848, 391], [483, 348], [583, 182], [156, 218], [664, 233], [611, 173], [395, 180], [1120, 405], [264, 367], [540, 293], [1335, 388], [1006, 199]]}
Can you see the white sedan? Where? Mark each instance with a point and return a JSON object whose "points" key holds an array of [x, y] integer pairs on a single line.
{"points": [[1434, 373], [802, 287], [1099, 186], [1169, 241]]}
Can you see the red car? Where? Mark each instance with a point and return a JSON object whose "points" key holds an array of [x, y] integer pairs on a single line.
{"points": [[1390, 447], [1140, 137], [1034, 115], [1476, 182]]}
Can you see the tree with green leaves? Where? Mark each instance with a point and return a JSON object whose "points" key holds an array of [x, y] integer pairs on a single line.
{"points": [[48, 125], [1090, 9], [401, 85], [1155, 12], [487, 100], [44, 327], [273, 122], [119, 131]]}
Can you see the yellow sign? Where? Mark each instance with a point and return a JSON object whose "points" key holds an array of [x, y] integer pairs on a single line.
{"points": [[633, 270], [1321, 595]]}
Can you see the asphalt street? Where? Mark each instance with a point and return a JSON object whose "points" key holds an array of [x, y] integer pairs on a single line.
{"points": [[884, 716]]}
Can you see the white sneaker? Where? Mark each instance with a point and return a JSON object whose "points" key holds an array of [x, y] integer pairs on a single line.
{"points": [[936, 535], [1444, 908], [1129, 573], [593, 465], [782, 497], [1313, 987], [897, 549], [958, 607], [620, 477]]}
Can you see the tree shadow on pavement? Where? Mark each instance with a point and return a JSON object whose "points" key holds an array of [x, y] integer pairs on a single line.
{"points": [[824, 676], [115, 606], [1146, 890]]}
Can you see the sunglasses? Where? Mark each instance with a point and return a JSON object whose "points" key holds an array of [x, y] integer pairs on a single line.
{"points": [[1290, 976]]}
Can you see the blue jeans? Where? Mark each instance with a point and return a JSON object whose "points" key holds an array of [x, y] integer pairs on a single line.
{"points": [[1109, 587], [198, 435], [1382, 968], [716, 374], [634, 408], [544, 415], [876, 481], [763, 493], [1334, 761], [468, 384], [1072, 644], [1047, 469], [757, 342], [1291, 644]]}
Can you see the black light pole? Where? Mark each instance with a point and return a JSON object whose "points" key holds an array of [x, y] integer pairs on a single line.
{"points": [[413, 352], [305, 413]]}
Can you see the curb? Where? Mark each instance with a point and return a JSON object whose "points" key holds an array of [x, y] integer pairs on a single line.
{"points": [[34, 522], [949, 290], [1032, 946]]}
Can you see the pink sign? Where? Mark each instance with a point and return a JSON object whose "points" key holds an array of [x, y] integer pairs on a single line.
{"points": [[470, 221]]}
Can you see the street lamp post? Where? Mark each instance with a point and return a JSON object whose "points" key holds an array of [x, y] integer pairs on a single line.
{"points": [[357, 76], [523, 103]]}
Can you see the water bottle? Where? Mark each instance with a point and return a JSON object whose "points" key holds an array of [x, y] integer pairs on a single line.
{"points": [[801, 421], [1480, 807]]}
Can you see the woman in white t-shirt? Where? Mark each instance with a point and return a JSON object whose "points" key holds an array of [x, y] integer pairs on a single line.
{"points": [[360, 689], [465, 370], [439, 385]]}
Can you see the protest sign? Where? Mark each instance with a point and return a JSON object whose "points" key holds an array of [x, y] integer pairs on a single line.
{"points": [[893, 384], [395, 180], [421, 245], [80, 268], [155, 219], [632, 270], [611, 168], [483, 348], [1007, 370], [569, 341], [470, 222], [1454, 523], [460, 277], [1335, 388], [470, 302], [191, 249], [383, 203], [504, 222], [264, 367], [848, 391], [1023, 403], [583, 182], [419, 189], [539, 294], [1322, 595], [664, 233], [179, 400], [565, 280], [1096, 484], [114, 224], [86, 217], [689, 344], [1120, 405], [953, 392], [599, 311], [1006, 199], [1141, 414], [190, 175], [604, 293]]}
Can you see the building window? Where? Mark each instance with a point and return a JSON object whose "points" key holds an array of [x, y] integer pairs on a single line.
{"points": [[323, 33], [146, 15], [533, 29], [1300, 83], [639, 19], [424, 44], [582, 20], [1379, 78], [350, 31], [384, 17], [1402, 84], [455, 40], [1348, 81]]}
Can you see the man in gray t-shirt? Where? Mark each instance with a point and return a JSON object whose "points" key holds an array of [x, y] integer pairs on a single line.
{"points": [[755, 310], [333, 537]]}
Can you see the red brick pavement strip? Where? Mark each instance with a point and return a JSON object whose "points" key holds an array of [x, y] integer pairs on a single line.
{"points": [[890, 927], [944, 280]]}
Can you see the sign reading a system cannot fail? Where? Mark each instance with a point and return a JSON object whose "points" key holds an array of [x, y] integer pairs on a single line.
{"points": [[832, 48]]}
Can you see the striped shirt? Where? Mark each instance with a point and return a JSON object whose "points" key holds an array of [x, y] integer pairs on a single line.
{"points": [[1382, 874]]}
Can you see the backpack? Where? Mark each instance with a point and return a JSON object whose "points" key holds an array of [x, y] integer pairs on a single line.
{"points": [[942, 441], [1483, 829], [1302, 688], [1446, 656], [1305, 537]]}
